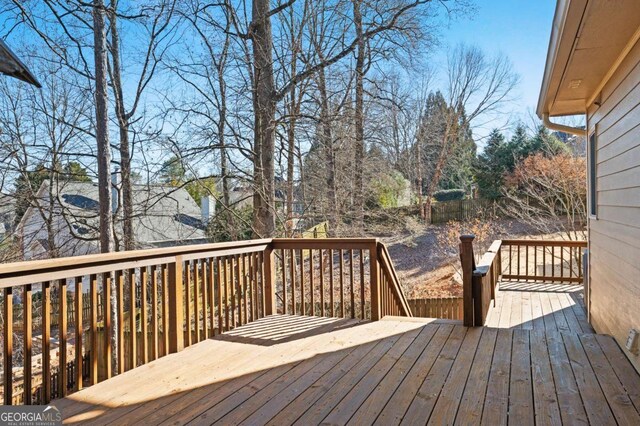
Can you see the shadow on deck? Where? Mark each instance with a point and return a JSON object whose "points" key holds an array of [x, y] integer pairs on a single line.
{"points": [[538, 305], [305, 370]]}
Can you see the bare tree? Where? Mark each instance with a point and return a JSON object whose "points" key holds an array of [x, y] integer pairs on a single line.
{"points": [[477, 87]]}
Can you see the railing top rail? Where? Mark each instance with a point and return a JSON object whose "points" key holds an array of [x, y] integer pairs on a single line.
{"points": [[551, 243], [324, 243], [37, 268], [386, 261]]}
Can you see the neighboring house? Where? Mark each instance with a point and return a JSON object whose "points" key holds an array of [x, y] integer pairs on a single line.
{"points": [[7, 216], [593, 69], [163, 216]]}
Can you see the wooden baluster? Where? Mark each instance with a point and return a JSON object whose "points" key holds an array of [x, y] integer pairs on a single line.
{"points": [[212, 298], [341, 252], [93, 291], [322, 307], [8, 346], [46, 340], [570, 262], [255, 281], [245, 287], [154, 313], [133, 329], [62, 338], [580, 271], [526, 262], [120, 277], [219, 293], [510, 258], [165, 308], [362, 293], [331, 290], [544, 261], [264, 284], [196, 299], [234, 291], [303, 310], [292, 274], [250, 281], [106, 315], [312, 289], [284, 281], [561, 263], [237, 288], [144, 279], [553, 262], [518, 265], [205, 293], [187, 302], [27, 312], [79, 330], [351, 283], [227, 292], [535, 262]]}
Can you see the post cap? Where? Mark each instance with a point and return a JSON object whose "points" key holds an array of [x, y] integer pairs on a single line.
{"points": [[467, 238]]}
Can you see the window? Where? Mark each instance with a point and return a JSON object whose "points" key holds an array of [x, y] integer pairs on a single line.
{"points": [[593, 190]]}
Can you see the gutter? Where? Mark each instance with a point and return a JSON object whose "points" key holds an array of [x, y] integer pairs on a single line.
{"points": [[561, 127]]}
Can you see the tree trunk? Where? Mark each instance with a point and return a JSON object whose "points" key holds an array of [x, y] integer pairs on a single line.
{"points": [[359, 117], [327, 144], [126, 200], [104, 150], [264, 222]]}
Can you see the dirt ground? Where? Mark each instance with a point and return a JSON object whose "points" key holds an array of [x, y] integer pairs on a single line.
{"points": [[423, 267]]}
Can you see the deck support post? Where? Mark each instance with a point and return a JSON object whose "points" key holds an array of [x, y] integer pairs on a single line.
{"points": [[176, 299], [269, 281], [467, 261], [374, 275]]}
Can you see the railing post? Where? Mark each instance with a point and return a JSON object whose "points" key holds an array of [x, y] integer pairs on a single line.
{"points": [[176, 315], [269, 281], [374, 275], [467, 261]]}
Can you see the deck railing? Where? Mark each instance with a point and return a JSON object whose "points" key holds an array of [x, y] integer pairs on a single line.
{"points": [[170, 298], [543, 260], [548, 261]]}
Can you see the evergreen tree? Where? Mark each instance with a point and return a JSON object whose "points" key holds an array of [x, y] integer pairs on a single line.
{"points": [[492, 164]]}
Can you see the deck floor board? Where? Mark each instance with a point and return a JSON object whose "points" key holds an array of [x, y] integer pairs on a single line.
{"points": [[536, 363]]}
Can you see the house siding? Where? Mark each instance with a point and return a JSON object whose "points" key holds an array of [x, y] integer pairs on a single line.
{"points": [[614, 237]]}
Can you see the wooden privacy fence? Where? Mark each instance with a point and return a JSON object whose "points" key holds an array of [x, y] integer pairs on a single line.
{"points": [[520, 260], [175, 297], [437, 307], [462, 210]]}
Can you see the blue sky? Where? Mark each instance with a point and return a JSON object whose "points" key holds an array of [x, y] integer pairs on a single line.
{"points": [[519, 29]]}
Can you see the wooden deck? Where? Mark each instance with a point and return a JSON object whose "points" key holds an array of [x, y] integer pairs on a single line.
{"points": [[304, 370], [533, 306]]}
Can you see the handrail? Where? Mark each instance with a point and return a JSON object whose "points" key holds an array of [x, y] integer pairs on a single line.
{"points": [[393, 278], [26, 272], [555, 243]]}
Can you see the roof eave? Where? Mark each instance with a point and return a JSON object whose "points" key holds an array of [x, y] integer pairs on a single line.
{"points": [[556, 60]]}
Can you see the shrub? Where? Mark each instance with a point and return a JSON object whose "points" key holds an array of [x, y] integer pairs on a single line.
{"points": [[449, 194]]}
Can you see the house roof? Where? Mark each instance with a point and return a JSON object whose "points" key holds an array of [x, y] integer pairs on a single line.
{"points": [[12, 66], [589, 40], [162, 214]]}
